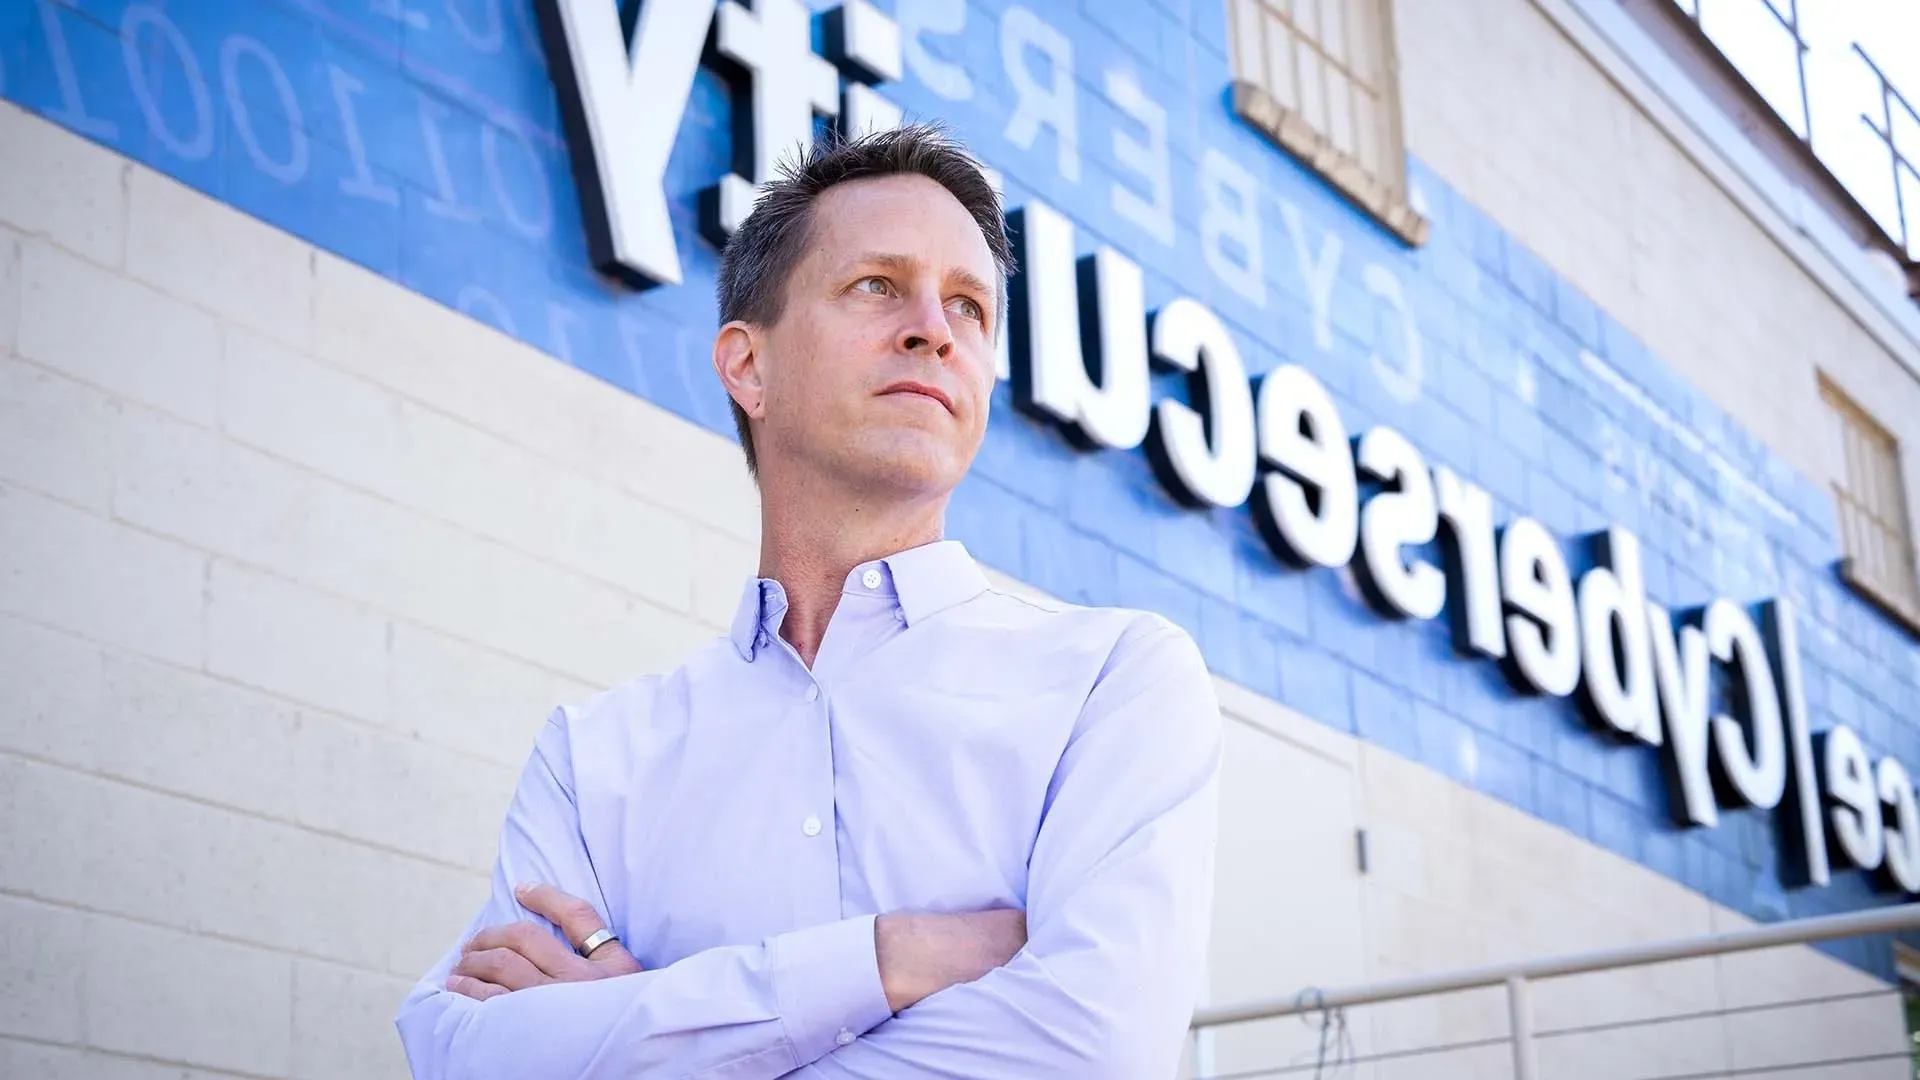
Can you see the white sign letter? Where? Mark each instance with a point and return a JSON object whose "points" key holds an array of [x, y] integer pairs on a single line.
{"points": [[1307, 506], [1402, 515], [1230, 214], [1756, 776], [1155, 212], [1317, 273], [1402, 382], [945, 78], [622, 105], [1094, 386], [1206, 462], [772, 48], [1051, 105]]}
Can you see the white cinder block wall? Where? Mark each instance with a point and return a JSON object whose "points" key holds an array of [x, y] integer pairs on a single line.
{"points": [[293, 563]]}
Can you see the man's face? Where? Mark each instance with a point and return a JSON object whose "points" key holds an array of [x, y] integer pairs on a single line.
{"points": [[876, 375]]}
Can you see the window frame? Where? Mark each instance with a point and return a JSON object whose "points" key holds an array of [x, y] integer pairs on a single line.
{"points": [[1382, 190], [1892, 581]]}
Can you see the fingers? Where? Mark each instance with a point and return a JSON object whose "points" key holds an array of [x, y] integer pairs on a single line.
{"points": [[532, 941], [575, 917], [502, 967], [473, 988]]}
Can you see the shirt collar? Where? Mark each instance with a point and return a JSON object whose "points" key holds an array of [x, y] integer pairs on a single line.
{"points": [[924, 581], [930, 578]]}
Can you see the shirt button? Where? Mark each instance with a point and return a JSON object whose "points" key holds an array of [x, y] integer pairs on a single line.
{"points": [[871, 579], [813, 693], [811, 826], [844, 1037]]}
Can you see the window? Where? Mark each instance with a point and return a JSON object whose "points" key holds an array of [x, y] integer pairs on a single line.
{"points": [[1319, 77], [1870, 497]]}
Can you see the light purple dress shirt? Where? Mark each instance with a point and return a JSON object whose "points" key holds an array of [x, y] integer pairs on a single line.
{"points": [[741, 821]]}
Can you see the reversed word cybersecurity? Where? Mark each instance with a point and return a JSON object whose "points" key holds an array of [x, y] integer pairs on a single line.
{"points": [[1082, 345]]}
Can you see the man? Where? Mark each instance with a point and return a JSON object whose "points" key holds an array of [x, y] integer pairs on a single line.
{"points": [[896, 823]]}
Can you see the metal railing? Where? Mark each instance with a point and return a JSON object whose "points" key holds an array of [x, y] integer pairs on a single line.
{"points": [[1788, 21], [1903, 166], [1758, 38], [1518, 977]]}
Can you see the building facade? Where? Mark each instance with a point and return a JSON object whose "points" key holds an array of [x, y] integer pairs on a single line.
{"points": [[1529, 460]]}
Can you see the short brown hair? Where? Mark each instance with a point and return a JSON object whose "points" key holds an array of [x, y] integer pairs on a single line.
{"points": [[761, 255]]}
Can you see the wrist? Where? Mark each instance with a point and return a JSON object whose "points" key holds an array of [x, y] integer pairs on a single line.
{"points": [[894, 952]]}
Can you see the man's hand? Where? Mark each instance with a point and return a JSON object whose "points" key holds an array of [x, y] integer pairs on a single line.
{"points": [[921, 955], [522, 954]]}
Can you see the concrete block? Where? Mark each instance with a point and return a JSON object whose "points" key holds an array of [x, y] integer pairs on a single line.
{"points": [[42, 955], [282, 401], [377, 329], [56, 435], [343, 1023], [642, 547], [240, 503], [45, 1062], [10, 246], [370, 438], [424, 910], [217, 258], [51, 704], [985, 517], [1384, 715], [273, 634], [721, 566], [117, 334], [1070, 564], [458, 695], [399, 793], [76, 839], [178, 997], [1316, 683], [73, 192], [100, 579], [1140, 585], [179, 731]]}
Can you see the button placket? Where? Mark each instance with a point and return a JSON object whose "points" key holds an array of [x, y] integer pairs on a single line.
{"points": [[814, 810]]}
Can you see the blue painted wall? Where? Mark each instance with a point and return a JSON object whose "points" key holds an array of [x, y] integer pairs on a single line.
{"points": [[421, 138]]}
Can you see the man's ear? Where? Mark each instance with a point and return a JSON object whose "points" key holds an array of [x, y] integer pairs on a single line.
{"points": [[736, 359]]}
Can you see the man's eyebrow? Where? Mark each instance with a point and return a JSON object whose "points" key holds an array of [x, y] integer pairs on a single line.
{"points": [[966, 278], [898, 263]]}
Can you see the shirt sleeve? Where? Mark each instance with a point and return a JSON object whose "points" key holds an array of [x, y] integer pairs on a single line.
{"points": [[1120, 893], [739, 1012]]}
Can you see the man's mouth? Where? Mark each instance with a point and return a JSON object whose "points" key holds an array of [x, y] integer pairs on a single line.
{"points": [[923, 389]]}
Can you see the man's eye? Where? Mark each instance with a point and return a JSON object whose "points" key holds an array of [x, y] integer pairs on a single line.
{"points": [[876, 286], [970, 308]]}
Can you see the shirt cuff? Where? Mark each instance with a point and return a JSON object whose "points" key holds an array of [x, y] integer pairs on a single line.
{"points": [[827, 981]]}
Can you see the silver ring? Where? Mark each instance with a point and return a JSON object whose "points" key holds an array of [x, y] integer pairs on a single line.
{"points": [[595, 940]]}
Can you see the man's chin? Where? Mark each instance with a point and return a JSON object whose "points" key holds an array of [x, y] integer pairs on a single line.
{"points": [[908, 470]]}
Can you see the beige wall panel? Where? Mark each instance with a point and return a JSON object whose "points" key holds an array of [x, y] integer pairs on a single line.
{"points": [[1527, 127]]}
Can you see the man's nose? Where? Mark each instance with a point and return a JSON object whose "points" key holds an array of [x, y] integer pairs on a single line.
{"points": [[925, 329]]}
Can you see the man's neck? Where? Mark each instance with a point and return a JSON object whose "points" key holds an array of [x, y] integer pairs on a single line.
{"points": [[810, 541]]}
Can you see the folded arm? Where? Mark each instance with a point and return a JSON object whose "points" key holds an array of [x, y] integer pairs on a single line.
{"points": [[740, 1012], [1118, 903]]}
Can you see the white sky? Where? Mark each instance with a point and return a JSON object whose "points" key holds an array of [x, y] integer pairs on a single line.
{"points": [[1840, 87]]}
